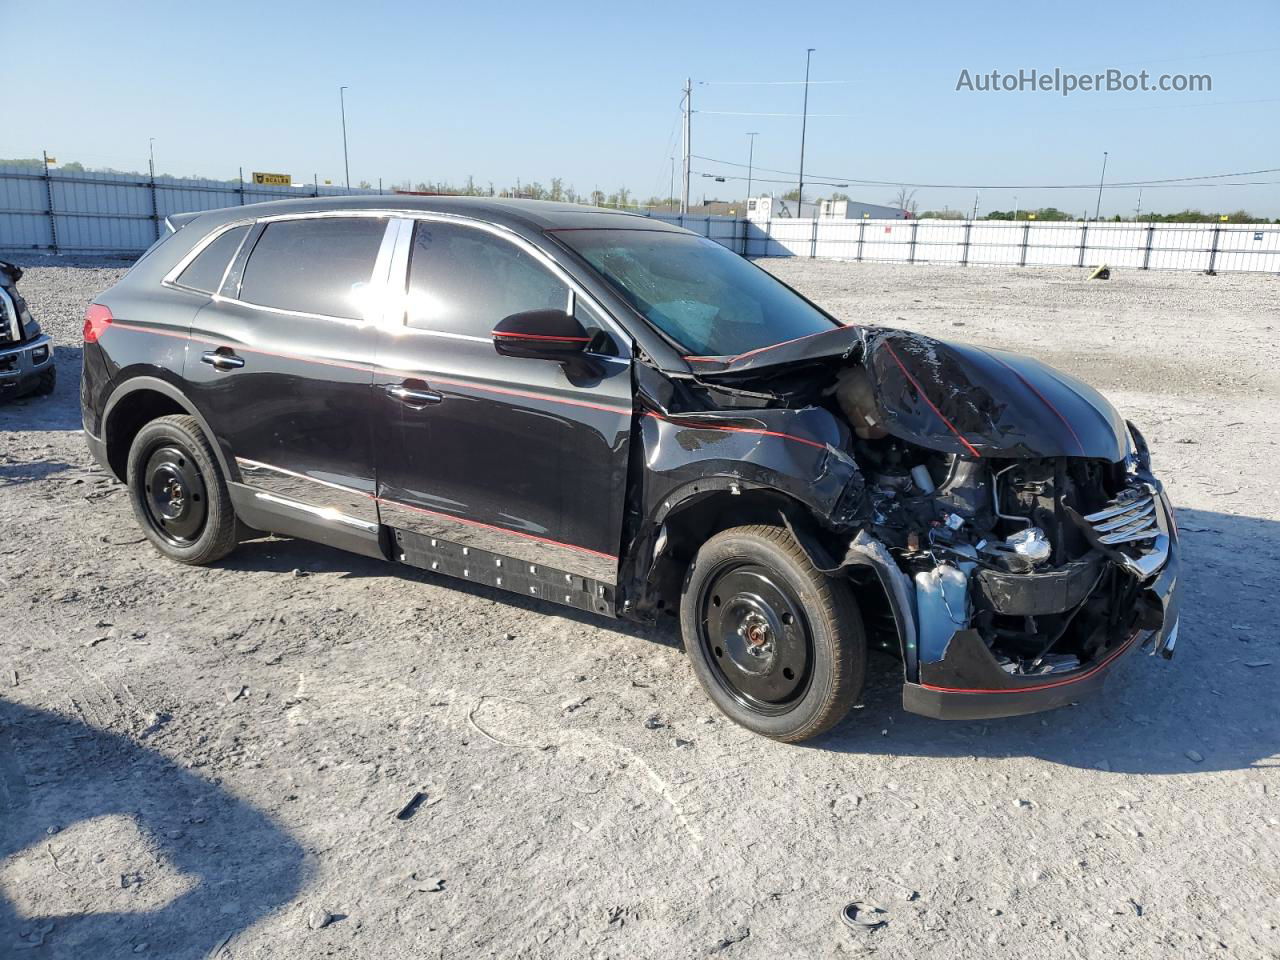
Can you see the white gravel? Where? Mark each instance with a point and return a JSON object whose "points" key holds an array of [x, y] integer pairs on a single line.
{"points": [[209, 762]]}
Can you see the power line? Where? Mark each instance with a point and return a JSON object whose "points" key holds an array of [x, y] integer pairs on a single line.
{"points": [[1002, 186], [1078, 186], [764, 83], [739, 113]]}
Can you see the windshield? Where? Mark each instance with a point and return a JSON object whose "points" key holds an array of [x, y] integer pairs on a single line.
{"points": [[707, 299]]}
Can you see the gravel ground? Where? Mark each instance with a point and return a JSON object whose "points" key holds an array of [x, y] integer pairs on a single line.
{"points": [[210, 762]]}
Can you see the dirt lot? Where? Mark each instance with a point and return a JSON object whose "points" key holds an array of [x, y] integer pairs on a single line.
{"points": [[210, 762]]}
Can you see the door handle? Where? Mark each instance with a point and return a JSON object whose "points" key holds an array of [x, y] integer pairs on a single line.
{"points": [[222, 361], [414, 397]]}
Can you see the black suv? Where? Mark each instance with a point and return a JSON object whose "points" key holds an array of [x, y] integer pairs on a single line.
{"points": [[604, 411]]}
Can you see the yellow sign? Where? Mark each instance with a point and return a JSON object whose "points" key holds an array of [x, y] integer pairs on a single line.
{"points": [[1031, 216], [50, 159], [1224, 218], [273, 179]]}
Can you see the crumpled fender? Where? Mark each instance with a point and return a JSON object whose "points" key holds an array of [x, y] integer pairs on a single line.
{"points": [[794, 452]]}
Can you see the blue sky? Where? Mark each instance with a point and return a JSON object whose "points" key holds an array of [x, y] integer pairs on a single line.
{"points": [[590, 92]]}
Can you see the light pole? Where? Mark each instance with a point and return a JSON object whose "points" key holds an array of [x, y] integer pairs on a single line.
{"points": [[1101, 180], [1015, 206], [751, 152], [151, 147], [342, 103], [804, 122]]}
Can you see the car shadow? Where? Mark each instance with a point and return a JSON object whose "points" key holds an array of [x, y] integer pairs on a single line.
{"points": [[1216, 700], [285, 555], [227, 863]]}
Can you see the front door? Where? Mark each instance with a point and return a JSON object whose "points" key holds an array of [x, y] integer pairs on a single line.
{"points": [[504, 470], [281, 366]]}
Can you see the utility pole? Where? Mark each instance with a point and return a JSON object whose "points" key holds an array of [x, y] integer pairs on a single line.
{"points": [[1102, 179], [751, 152], [688, 143], [804, 122], [151, 146], [1138, 215], [1015, 206], [342, 102], [974, 216], [671, 190]]}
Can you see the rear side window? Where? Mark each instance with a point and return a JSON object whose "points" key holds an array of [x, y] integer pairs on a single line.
{"points": [[322, 265], [463, 280], [206, 270]]}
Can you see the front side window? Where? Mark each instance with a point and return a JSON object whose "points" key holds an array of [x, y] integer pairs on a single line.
{"points": [[463, 280], [321, 265], [706, 298], [205, 271]]}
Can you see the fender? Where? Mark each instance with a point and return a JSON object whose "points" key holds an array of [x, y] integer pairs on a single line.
{"points": [[156, 385]]}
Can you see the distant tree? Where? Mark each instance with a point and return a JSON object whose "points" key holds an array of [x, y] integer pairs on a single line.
{"points": [[364, 185], [905, 199], [556, 192], [597, 198], [942, 215]]}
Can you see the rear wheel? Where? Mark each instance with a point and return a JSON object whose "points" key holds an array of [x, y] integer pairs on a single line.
{"points": [[178, 493], [776, 644]]}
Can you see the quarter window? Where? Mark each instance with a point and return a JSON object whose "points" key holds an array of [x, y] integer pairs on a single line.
{"points": [[463, 280], [321, 265], [206, 270]]}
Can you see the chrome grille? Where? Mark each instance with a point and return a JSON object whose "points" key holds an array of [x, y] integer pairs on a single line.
{"points": [[9, 330], [1128, 519]]}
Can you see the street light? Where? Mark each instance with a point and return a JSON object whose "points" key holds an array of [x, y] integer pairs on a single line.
{"points": [[151, 147], [751, 151], [1101, 180], [804, 122], [342, 102]]}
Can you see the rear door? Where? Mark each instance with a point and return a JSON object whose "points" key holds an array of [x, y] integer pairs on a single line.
{"points": [[280, 364], [484, 459]]}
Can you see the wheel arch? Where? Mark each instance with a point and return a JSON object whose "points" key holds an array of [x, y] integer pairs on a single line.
{"points": [[136, 403], [693, 513]]}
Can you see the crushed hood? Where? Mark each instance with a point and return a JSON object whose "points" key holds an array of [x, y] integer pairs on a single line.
{"points": [[952, 397]]}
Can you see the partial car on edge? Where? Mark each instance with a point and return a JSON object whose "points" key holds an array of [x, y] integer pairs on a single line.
{"points": [[605, 411], [26, 353]]}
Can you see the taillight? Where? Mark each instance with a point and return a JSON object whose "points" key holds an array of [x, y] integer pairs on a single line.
{"points": [[96, 319]]}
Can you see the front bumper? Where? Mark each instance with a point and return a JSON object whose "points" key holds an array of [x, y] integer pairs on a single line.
{"points": [[22, 365], [968, 683]]}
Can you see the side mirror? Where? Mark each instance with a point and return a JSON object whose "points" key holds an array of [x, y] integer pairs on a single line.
{"points": [[540, 335]]}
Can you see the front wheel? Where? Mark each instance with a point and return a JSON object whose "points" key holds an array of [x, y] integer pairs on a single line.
{"points": [[778, 645], [178, 493]]}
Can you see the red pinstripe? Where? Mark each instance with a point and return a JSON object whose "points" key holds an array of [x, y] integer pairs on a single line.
{"points": [[1045, 686], [925, 397], [728, 429]]}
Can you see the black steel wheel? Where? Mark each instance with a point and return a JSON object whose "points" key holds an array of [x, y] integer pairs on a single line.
{"points": [[177, 505], [778, 645], [755, 636], [178, 493]]}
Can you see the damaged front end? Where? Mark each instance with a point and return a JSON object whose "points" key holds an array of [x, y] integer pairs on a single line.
{"points": [[1008, 512]]}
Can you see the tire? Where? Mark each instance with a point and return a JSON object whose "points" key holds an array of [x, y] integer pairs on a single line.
{"points": [[778, 646], [179, 495], [46, 382]]}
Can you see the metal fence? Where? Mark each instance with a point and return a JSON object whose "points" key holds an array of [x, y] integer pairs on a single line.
{"points": [[1215, 247], [113, 213]]}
